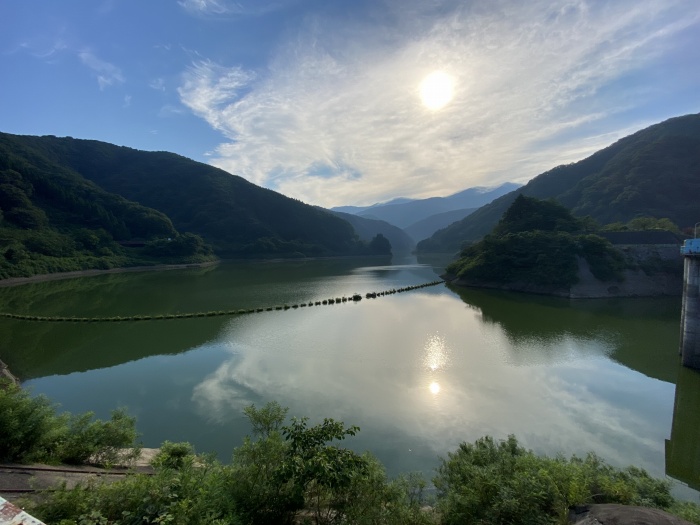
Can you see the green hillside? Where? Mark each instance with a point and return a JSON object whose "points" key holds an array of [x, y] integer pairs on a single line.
{"points": [[652, 173], [52, 220], [63, 187], [236, 216], [536, 243]]}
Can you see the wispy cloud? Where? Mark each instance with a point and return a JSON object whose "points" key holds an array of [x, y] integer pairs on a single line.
{"points": [[41, 50], [336, 117], [107, 74], [158, 84], [204, 6], [169, 110], [234, 8], [211, 91], [127, 101]]}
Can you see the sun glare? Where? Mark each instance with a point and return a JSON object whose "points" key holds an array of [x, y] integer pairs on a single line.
{"points": [[436, 90], [434, 388]]}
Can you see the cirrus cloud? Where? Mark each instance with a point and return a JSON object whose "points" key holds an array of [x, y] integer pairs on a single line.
{"points": [[107, 74], [335, 117]]}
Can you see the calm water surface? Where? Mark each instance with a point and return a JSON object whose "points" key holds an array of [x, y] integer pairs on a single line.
{"points": [[419, 372]]}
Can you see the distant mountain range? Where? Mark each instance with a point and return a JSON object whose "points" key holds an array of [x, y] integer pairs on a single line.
{"points": [[652, 173], [424, 228], [404, 212]]}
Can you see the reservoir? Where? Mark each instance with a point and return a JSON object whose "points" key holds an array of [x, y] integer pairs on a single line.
{"points": [[419, 372]]}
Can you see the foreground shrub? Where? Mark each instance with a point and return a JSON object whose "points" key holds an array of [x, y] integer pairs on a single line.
{"points": [[174, 455], [32, 431], [100, 442], [283, 474], [29, 425], [296, 473], [501, 482], [194, 494]]}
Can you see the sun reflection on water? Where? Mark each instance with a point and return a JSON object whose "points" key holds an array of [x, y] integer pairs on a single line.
{"points": [[435, 360], [435, 356]]}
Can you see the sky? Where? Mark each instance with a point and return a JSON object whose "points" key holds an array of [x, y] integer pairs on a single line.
{"points": [[351, 102]]}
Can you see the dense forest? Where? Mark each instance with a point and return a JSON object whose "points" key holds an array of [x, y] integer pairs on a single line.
{"points": [[69, 204], [52, 220], [653, 173], [537, 242]]}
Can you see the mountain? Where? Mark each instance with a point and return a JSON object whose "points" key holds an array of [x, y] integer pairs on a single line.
{"points": [[654, 172], [426, 227], [353, 210], [403, 212], [367, 229], [53, 220], [69, 204]]}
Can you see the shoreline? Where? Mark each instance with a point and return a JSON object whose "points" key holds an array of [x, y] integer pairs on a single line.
{"points": [[636, 282], [5, 373], [636, 286], [17, 281]]}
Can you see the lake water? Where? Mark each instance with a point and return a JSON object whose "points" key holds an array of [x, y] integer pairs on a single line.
{"points": [[419, 371]]}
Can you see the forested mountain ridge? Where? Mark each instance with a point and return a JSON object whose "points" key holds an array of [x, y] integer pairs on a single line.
{"points": [[654, 172], [236, 217], [53, 220], [34, 191]]}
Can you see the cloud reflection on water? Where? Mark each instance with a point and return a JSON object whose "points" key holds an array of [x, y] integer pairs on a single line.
{"points": [[370, 365]]}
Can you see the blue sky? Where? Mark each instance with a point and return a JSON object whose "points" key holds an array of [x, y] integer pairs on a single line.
{"points": [[321, 100]]}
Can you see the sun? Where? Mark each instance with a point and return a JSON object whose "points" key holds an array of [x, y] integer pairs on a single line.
{"points": [[436, 90]]}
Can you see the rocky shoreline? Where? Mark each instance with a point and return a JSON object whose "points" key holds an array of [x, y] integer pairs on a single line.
{"points": [[6, 374]]}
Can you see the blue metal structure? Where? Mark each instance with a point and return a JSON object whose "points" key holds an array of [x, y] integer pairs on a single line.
{"points": [[691, 247]]}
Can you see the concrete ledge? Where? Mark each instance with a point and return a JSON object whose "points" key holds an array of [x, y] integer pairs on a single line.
{"points": [[614, 514]]}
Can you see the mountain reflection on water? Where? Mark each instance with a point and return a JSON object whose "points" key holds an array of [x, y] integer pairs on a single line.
{"points": [[630, 326], [419, 372]]}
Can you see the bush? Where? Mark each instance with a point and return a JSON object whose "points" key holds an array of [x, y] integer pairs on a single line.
{"points": [[282, 474], [192, 495], [501, 482], [174, 455], [100, 442], [296, 473], [32, 431], [29, 425]]}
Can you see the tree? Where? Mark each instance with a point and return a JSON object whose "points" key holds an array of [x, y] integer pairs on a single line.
{"points": [[380, 245], [530, 214]]}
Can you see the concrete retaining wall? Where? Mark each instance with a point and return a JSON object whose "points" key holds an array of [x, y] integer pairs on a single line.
{"points": [[690, 316]]}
